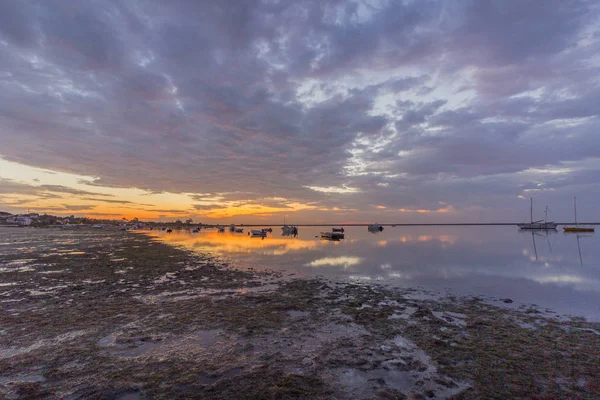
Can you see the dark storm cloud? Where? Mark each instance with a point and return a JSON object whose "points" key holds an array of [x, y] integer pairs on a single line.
{"points": [[260, 99]]}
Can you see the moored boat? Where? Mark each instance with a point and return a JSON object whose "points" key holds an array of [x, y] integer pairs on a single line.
{"points": [[332, 235], [289, 230], [537, 225], [577, 228], [375, 228]]}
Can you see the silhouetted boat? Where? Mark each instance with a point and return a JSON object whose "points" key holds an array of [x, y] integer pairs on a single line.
{"points": [[577, 228], [375, 228], [337, 230], [332, 235]]}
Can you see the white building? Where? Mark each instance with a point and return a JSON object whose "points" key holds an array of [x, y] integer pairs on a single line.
{"points": [[19, 220]]}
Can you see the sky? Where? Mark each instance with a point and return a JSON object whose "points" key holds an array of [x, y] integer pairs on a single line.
{"points": [[315, 110]]}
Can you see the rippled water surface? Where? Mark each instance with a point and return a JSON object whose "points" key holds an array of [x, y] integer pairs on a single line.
{"points": [[555, 270]]}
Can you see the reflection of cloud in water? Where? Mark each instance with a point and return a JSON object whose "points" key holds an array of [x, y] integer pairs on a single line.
{"points": [[559, 279], [241, 243], [447, 239], [493, 261], [343, 261]]}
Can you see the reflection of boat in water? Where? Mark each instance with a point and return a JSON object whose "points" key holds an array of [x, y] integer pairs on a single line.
{"points": [[577, 228], [540, 233], [332, 235], [375, 228], [537, 225], [578, 235]]}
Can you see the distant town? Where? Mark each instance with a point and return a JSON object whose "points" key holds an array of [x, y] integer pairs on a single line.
{"points": [[46, 221]]}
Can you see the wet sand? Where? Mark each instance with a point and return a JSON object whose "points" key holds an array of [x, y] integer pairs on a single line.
{"points": [[110, 314]]}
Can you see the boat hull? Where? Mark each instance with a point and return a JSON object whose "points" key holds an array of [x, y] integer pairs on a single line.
{"points": [[538, 226], [577, 229], [332, 235]]}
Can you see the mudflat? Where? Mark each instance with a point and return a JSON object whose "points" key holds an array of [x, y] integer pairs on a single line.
{"points": [[108, 314]]}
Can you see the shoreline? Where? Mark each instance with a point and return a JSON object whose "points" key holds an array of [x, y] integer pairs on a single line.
{"points": [[110, 314]]}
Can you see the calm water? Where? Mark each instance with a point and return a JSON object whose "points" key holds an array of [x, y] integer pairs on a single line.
{"points": [[556, 270]]}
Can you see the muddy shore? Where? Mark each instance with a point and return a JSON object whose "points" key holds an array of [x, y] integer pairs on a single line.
{"points": [[109, 314]]}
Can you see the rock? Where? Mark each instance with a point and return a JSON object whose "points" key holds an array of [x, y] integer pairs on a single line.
{"points": [[507, 300]]}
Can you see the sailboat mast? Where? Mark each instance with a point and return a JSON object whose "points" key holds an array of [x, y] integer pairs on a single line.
{"points": [[575, 208], [546, 215], [531, 208]]}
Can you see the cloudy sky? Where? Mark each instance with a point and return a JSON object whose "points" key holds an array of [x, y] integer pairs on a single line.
{"points": [[324, 111]]}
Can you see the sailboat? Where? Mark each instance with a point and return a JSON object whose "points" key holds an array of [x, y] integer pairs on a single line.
{"points": [[537, 224], [577, 228], [288, 230]]}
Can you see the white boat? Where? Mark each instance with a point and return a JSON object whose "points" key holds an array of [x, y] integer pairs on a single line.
{"points": [[289, 230], [541, 224], [375, 228]]}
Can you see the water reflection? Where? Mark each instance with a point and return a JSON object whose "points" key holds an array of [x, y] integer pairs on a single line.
{"points": [[546, 268]]}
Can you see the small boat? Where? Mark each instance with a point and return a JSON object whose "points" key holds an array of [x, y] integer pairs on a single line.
{"points": [[258, 232], [239, 230], [267, 230], [220, 229], [169, 230], [541, 224], [337, 230], [231, 228], [375, 228], [332, 235], [289, 230], [577, 228], [196, 230]]}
